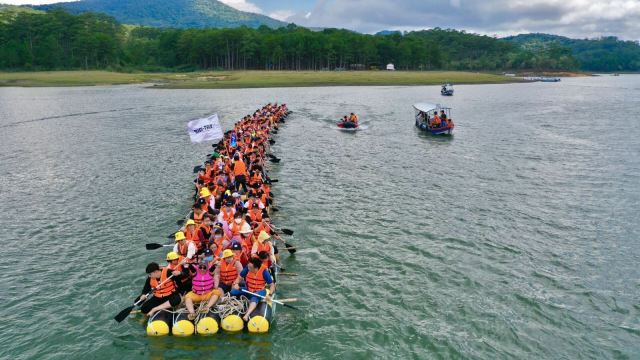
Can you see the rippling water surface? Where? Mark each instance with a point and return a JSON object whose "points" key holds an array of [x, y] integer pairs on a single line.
{"points": [[515, 238]]}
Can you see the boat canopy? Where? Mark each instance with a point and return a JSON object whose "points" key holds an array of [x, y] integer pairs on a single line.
{"points": [[426, 107]]}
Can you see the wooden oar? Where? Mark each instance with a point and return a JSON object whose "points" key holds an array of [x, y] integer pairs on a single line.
{"points": [[290, 248], [196, 169], [275, 301], [288, 300], [153, 246]]}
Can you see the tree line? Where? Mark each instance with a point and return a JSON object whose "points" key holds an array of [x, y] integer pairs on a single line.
{"points": [[59, 40]]}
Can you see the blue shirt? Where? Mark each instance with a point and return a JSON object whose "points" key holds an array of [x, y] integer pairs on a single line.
{"points": [[265, 274]]}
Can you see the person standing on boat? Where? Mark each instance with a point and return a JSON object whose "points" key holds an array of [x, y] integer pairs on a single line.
{"points": [[256, 277], [239, 173], [165, 291]]}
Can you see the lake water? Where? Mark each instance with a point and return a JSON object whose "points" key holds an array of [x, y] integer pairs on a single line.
{"points": [[518, 237]]}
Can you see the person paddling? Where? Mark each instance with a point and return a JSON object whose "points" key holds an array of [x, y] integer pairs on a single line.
{"points": [[228, 272], [256, 277], [165, 294]]}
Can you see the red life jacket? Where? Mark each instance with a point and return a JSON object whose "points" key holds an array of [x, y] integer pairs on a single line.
{"points": [[167, 288]]}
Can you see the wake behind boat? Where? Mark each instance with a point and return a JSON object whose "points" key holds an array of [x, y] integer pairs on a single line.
{"points": [[433, 118]]}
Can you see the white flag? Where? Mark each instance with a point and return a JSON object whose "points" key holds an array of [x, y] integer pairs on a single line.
{"points": [[205, 129]]}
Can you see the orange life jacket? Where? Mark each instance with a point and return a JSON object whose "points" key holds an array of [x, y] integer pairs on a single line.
{"points": [[228, 272], [199, 218], [228, 215], [255, 281], [235, 228], [264, 247], [239, 168], [167, 288], [255, 214]]}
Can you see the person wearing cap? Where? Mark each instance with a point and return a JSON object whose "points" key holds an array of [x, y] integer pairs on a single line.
{"points": [[239, 253], [263, 245], [256, 277], [165, 290], [228, 272], [185, 247]]}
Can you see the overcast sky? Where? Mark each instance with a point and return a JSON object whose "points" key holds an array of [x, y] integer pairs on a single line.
{"points": [[574, 18]]}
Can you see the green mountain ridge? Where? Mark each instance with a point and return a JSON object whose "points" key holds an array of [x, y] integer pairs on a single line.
{"points": [[603, 54], [169, 13]]}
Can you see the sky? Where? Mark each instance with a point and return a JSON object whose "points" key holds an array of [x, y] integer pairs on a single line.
{"points": [[573, 18]]}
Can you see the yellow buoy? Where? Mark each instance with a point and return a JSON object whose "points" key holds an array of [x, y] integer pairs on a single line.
{"points": [[258, 324], [183, 328], [232, 323], [157, 328], [207, 326]]}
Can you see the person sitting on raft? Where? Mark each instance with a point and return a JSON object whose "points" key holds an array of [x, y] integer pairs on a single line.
{"points": [[353, 118], [256, 277], [202, 289], [345, 119], [165, 291], [228, 272], [185, 247]]}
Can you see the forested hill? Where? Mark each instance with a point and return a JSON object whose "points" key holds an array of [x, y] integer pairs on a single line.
{"points": [[604, 54], [169, 13]]}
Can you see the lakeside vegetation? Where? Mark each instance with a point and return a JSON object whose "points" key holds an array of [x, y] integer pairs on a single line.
{"points": [[247, 79], [57, 40]]}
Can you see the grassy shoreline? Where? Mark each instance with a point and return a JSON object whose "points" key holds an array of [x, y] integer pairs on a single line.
{"points": [[248, 79]]}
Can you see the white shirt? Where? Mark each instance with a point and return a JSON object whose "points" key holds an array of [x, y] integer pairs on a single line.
{"points": [[191, 249]]}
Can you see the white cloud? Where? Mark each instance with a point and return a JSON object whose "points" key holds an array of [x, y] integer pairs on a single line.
{"points": [[242, 5], [281, 15]]}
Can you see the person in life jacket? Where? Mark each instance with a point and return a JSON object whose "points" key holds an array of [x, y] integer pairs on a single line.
{"points": [[181, 272], [228, 272], [185, 247], [239, 173], [165, 293], [263, 245], [239, 225], [199, 214], [209, 200], [353, 118], [227, 212], [256, 277], [193, 234], [435, 121], [239, 253], [202, 289]]}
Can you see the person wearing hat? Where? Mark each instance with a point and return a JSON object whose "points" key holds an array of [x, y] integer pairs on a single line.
{"points": [[228, 272], [193, 234], [210, 201], [185, 247], [263, 245], [180, 270], [256, 277]]}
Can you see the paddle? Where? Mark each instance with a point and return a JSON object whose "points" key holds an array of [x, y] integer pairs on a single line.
{"points": [[196, 169], [271, 141], [125, 312], [275, 301], [153, 246]]}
